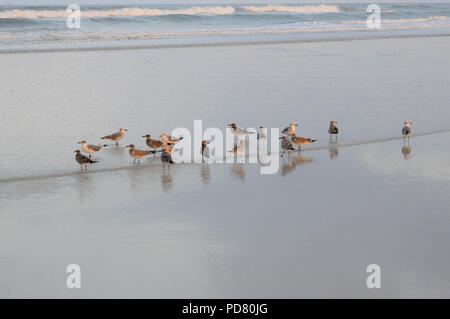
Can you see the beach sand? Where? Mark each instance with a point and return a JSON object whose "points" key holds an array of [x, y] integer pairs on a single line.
{"points": [[216, 230]]}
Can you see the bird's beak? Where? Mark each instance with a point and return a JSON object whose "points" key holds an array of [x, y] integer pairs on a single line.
{"points": [[74, 151], [296, 124], [128, 146], [281, 138], [125, 130], [79, 143], [144, 136]]}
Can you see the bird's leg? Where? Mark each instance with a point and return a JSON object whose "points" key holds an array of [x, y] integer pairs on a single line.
{"points": [[81, 167], [117, 143], [282, 154], [89, 155]]}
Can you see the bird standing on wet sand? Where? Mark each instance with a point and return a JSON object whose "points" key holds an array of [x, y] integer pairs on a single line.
{"points": [[155, 144], [166, 155], [406, 130], [170, 139], [116, 137], [238, 149], [205, 149], [300, 141], [261, 134], [333, 129], [286, 145], [138, 154], [290, 129], [238, 131], [83, 160], [89, 148]]}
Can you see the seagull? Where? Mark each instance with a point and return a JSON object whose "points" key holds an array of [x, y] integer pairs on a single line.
{"points": [[83, 160], [170, 139], [116, 137], [238, 131], [166, 156], [89, 148], [300, 141], [290, 129], [406, 130], [205, 149], [238, 149], [333, 129], [152, 143], [286, 145], [261, 134], [138, 154]]}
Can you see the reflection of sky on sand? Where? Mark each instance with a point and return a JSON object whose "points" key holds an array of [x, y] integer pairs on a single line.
{"points": [[213, 230], [430, 159]]}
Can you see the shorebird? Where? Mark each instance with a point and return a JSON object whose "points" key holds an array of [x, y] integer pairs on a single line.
{"points": [[286, 145], [138, 154], [205, 149], [238, 149], [290, 129], [83, 160], [406, 130], [333, 129], [89, 148], [300, 141], [155, 144], [261, 134], [116, 137], [238, 131], [166, 155], [170, 139]]}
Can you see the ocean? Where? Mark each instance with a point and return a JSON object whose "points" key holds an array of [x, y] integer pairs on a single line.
{"points": [[32, 27]]}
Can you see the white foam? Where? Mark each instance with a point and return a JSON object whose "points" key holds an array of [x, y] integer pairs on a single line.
{"points": [[124, 12], [292, 9]]}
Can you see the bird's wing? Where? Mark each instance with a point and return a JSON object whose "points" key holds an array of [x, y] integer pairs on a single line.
{"points": [[95, 147], [142, 153], [112, 136]]}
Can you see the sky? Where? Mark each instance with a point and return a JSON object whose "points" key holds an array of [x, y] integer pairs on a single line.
{"points": [[130, 2]]}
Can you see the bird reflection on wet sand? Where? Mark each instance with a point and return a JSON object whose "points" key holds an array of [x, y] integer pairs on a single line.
{"points": [[290, 164], [406, 151], [83, 185], [334, 151], [204, 173], [166, 180], [238, 170]]}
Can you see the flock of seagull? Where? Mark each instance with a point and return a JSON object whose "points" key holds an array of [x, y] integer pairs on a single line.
{"points": [[165, 145]]}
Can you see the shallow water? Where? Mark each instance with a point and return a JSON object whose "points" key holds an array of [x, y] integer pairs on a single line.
{"points": [[220, 230], [227, 231]]}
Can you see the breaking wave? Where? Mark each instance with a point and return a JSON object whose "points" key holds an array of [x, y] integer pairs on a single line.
{"points": [[123, 12], [292, 9]]}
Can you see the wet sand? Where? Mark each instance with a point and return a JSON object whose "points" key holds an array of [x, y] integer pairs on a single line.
{"points": [[216, 230]]}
